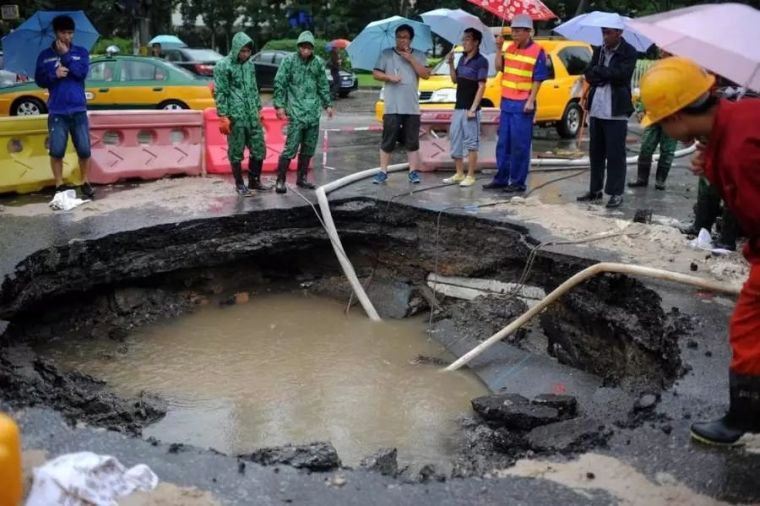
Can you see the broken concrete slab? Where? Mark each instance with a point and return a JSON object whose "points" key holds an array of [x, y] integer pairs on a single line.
{"points": [[567, 405], [383, 461], [565, 435], [317, 456], [513, 411]]}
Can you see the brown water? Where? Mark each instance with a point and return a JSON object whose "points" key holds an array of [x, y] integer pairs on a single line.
{"points": [[288, 369]]}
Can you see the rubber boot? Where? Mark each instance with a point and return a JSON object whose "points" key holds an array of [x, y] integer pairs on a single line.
{"points": [[254, 175], [237, 173], [706, 209], [303, 169], [743, 414], [642, 177], [661, 175], [729, 231], [282, 172]]}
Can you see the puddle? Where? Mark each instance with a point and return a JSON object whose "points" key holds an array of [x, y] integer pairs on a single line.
{"points": [[288, 369]]}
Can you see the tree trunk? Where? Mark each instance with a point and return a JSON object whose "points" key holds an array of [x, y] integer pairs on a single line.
{"points": [[582, 7]]}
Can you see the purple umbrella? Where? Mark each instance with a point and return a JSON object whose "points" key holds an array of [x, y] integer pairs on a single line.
{"points": [[723, 38]]}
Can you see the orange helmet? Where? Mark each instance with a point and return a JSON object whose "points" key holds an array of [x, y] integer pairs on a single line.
{"points": [[670, 85]]}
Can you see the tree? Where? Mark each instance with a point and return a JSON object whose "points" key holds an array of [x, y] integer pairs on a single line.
{"points": [[219, 16]]}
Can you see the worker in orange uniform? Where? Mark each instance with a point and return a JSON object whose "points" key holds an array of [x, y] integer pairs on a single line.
{"points": [[523, 65], [679, 96]]}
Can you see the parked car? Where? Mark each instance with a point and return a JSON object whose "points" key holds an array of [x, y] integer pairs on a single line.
{"points": [[198, 61], [120, 82], [268, 61], [8, 78], [558, 98]]}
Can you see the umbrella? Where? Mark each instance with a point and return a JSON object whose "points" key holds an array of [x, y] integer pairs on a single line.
{"points": [[339, 43], [723, 38], [451, 24], [25, 43], [507, 9], [167, 41], [379, 35], [588, 28]]}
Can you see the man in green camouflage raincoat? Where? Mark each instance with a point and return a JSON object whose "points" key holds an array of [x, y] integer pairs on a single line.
{"points": [[239, 107], [301, 91]]}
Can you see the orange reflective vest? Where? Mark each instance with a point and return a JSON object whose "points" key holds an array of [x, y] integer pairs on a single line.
{"points": [[517, 75]]}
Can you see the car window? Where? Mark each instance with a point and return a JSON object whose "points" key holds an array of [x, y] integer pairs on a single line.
{"points": [[575, 59], [278, 57], [141, 71], [550, 66], [173, 56], [202, 55], [102, 71]]}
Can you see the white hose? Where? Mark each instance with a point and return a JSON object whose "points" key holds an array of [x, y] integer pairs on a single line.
{"points": [[324, 206], [584, 162], [580, 277]]}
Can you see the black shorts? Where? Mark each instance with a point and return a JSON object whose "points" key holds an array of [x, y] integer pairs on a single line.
{"points": [[403, 128]]}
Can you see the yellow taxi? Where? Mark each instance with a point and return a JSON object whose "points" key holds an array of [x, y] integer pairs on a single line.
{"points": [[120, 82], [558, 100]]}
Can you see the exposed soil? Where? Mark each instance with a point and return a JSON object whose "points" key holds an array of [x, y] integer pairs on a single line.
{"points": [[108, 287]]}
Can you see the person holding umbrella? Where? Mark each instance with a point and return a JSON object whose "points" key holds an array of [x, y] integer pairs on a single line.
{"points": [[400, 67], [301, 91], [679, 96], [523, 65], [62, 69]]}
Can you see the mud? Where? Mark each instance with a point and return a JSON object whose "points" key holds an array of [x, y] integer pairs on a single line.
{"points": [[111, 286]]}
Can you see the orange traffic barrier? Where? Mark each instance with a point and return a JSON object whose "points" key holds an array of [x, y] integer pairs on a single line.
{"points": [[216, 143], [24, 158], [145, 144], [435, 148], [11, 485]]}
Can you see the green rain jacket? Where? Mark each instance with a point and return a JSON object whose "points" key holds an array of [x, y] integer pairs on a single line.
{"points": [[235, 89], [301, 86]]}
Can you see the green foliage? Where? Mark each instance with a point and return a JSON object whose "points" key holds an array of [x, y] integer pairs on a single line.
{"points": [[124, 45]]}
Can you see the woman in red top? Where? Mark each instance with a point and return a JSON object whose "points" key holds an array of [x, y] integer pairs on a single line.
{"points": [[679, 96]]}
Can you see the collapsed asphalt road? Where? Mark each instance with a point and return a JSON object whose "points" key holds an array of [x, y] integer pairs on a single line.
{"points": [[639, 371]]}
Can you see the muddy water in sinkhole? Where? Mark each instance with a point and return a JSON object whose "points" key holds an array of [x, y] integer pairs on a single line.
{"points": [[288, 368]]}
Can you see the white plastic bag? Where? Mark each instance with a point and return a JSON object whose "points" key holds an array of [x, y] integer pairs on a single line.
{"points": [[86, 479], [66, 201]]}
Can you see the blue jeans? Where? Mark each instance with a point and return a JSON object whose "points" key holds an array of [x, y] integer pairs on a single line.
{"points": [[59, 128]]}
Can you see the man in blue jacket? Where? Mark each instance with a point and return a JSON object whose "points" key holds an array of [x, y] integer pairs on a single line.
{"points": [[62, 69]]}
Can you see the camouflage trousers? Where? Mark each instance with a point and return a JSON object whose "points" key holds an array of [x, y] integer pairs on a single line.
{"points": [[651, 137], [303, 136], [245, 136]]}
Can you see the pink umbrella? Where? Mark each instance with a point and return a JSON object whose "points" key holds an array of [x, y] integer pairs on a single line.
{"points": [[507, 9], [723, 38]]}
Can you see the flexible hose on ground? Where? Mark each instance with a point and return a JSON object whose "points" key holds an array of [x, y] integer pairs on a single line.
{"points": [[635, 270], [324, 206]]}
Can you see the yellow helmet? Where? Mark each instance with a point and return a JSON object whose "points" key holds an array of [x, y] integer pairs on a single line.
{"points": [[670, 85]]}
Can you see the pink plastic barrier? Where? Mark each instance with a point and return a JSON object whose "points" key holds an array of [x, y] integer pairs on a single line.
{"points": [[144, 144], [216, 143], [434, 138]]}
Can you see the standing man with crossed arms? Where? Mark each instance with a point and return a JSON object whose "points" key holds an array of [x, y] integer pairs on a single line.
{"points": [[523, 65]]}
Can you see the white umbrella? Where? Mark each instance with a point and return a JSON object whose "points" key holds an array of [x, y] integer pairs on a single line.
{"points": [[378, 35], [451, 24], [588, 28], [723, 38]]}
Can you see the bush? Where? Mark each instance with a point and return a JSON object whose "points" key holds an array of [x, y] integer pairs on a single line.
{"points": [[124, 45], [290, 45]]}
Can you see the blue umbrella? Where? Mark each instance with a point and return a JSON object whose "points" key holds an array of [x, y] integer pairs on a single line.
{"points": [[378, 35], [451, 24], [22, 46], [167, 41], [588, 28]]}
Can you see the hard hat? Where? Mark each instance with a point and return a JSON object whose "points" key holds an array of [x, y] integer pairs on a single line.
{"points": [[670, 85], [522, 21]]}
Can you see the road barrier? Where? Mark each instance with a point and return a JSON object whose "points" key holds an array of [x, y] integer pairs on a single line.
{"points": [[435, 148]]}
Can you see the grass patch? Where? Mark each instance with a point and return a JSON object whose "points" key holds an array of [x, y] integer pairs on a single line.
{"points": [[367, 81]]}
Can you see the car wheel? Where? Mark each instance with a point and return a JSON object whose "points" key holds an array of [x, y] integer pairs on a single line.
{"points": [[570, 123], [343, 94], [28, 106], [173, 105]]}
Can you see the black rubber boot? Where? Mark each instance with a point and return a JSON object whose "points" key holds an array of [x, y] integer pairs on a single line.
{"points": [[282, 172], [743, 415], [237, 173], [729, 231], [706, 210], [254, 175], [661, 175], [642, 177], [303, 169]]}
